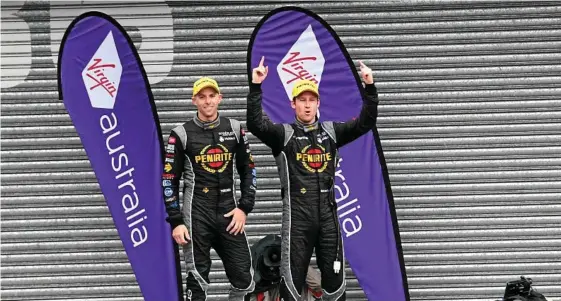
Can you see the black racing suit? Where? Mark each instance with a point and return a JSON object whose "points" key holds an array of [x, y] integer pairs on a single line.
{"points": [[205, 154], [306, 157]]}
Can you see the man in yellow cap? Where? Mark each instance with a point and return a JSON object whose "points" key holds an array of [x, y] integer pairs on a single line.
{"points": [[306, 153], [206, 97], [304, 112], [204, 151]]}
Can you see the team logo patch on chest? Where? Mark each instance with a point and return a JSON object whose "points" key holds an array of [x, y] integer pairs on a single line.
{"points": [[321, 137], [214, 158], [225, 136], [314, 158]]}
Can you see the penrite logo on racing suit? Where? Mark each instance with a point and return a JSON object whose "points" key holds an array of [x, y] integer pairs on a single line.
{"points": [[214, 158], [102, 75], [314, 159], [304, 60]]}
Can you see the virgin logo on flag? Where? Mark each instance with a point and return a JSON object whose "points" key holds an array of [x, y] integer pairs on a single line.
{"points": [[304, 60], [102, 75]]}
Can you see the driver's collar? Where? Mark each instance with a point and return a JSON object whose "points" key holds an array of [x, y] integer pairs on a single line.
{"points": [[207, 125], [307, 127]]}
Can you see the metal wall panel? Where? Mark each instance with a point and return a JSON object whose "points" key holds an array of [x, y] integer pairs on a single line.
{"points": [[469, 120]]}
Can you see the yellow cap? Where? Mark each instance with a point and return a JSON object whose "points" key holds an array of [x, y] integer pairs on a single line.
{"points": [[205, 82], [303, 86]]}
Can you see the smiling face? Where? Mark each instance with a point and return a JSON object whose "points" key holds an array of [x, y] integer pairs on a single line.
{"points": [[306, 106], [207, 101]]}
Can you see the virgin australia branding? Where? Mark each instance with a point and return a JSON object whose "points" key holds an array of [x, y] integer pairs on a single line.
{"points": [[124, 179], [347, 206], [103, 74], [304, 60], [101, 78]]}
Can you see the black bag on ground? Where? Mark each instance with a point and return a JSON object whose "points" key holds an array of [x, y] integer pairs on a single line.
{"points": [[521, 290]]}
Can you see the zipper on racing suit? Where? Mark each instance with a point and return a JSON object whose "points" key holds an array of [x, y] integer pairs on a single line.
{"points": [[332, 203], [215, 144], [336, 263]]}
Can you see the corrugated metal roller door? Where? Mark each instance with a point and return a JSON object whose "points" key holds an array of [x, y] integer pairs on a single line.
{"points": [[470, 123]]}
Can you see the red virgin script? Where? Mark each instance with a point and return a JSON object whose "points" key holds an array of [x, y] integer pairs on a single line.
{"points": [[294, 66], [95, 72]]}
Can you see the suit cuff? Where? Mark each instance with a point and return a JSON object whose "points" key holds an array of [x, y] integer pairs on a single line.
{"points": [[254, 88], [370, 89], [175, 221], [245, 208]]}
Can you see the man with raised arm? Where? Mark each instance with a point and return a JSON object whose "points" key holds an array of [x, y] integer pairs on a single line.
{"points": [[306, 156]]}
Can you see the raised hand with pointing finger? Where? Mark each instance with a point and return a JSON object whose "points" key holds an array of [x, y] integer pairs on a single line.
{"points": [[366, 74], [260, 72]]}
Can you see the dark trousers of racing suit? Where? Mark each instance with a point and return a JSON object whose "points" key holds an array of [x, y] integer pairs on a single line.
{"points": [[312, 227], [208, 230]]}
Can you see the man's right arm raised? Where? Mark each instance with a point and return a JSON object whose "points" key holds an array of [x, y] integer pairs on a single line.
{"points": [[269, 133]]}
